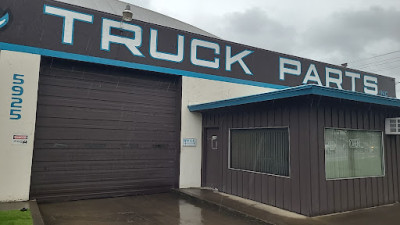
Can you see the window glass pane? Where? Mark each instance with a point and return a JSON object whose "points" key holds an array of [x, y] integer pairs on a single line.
{"points": [[261, 150], [353, 153]]}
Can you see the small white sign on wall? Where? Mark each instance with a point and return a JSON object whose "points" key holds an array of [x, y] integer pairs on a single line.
{"points": [[19, 139], [189, 142]]}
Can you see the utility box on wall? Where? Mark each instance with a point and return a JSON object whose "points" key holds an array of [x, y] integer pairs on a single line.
{"points": [[392, 126]]}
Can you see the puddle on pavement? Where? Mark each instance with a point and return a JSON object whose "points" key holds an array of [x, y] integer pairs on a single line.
{"points": [[158, 209], [191, 213]]}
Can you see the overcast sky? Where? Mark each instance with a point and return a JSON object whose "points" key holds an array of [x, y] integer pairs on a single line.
{"points": [[359, 32]]}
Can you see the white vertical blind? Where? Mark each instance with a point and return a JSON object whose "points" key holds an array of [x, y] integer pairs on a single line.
{"points": [[261, 150]]}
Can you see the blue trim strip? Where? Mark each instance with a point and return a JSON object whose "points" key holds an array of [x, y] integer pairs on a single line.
{"points": [[112, 62], [298, 91]]}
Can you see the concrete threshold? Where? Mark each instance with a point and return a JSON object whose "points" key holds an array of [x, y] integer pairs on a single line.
{"points": [[31, 205], [263, 212], [388, 214]]}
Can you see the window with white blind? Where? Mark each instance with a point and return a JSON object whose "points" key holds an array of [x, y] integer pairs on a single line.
{"points": [[263, 150], [353, 153]]}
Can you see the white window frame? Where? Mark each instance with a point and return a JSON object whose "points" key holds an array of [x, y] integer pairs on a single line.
{"points": [[352, 178]]}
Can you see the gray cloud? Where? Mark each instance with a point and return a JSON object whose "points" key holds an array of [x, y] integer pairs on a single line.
{"points": [[351, 33], [340, 37], [141, 3], [254, 27]]}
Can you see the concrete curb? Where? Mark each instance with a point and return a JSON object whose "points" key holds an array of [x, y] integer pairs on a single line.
{"points": [[36, 215]]}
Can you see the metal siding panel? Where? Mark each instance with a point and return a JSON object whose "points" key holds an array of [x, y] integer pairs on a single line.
{"points": [[314, 157], [222, 123], [343, 183], [294, 158], [394, 168], [271, 179], [374, 181], [265, 178], [387, 162], [246, 185], [252, 186], [228, 125], [381, 197], [236, 123], [350, 182], [246, 175], [279, 187], [287, 187], [271, 190], [330, 188], [304, 157], [357, 193], [336, 183], [258, 188], [252, 176], [240, 183], [102, 144], [323, 196], [398, 166], [368, 181], [363, 186], [264, 191]]}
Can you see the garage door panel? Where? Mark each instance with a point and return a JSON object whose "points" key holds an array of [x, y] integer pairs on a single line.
{"points": [[67, 177], [132, 78], [98, 134], [52, 188], [100, 165], [66, 155], [102, 132], [103, 124], [103, 114], [93, 190], [93, 144], [116, 87], [138, 98], [52, 100], [103, 93]]}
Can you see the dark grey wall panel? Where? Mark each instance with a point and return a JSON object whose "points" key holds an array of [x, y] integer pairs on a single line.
{"points": [[307, 191], [103, 132]]}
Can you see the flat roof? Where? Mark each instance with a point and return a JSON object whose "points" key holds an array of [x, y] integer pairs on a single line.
{"points": [[298, 91]]}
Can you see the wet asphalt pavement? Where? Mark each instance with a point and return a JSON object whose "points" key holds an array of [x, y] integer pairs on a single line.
{"points": [[158, 209]]}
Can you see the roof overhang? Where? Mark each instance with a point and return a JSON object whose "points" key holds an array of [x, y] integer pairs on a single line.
{"points": [[295, 92]]}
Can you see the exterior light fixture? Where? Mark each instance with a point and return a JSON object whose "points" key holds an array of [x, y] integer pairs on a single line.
{"points": [[127, 14]]}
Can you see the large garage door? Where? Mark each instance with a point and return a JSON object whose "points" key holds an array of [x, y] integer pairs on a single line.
{"points": [[104, 131]]}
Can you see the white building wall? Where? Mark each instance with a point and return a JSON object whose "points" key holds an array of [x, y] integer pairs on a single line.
{"points": [[16, 159], [196, 91]]}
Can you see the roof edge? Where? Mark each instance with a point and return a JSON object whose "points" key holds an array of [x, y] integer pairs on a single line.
{"points": [[310, 89]]}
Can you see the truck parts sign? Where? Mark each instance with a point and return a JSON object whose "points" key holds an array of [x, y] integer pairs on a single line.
{"points": [[57, 29]]}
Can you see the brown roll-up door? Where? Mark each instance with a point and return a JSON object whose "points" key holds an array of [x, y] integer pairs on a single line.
{"points": [[103, 131]]}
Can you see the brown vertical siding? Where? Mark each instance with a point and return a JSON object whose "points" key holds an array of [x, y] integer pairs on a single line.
{"points": [[307, 191]]}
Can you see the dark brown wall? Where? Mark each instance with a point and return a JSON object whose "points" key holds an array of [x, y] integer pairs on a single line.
{"points": [[307, 191]]}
